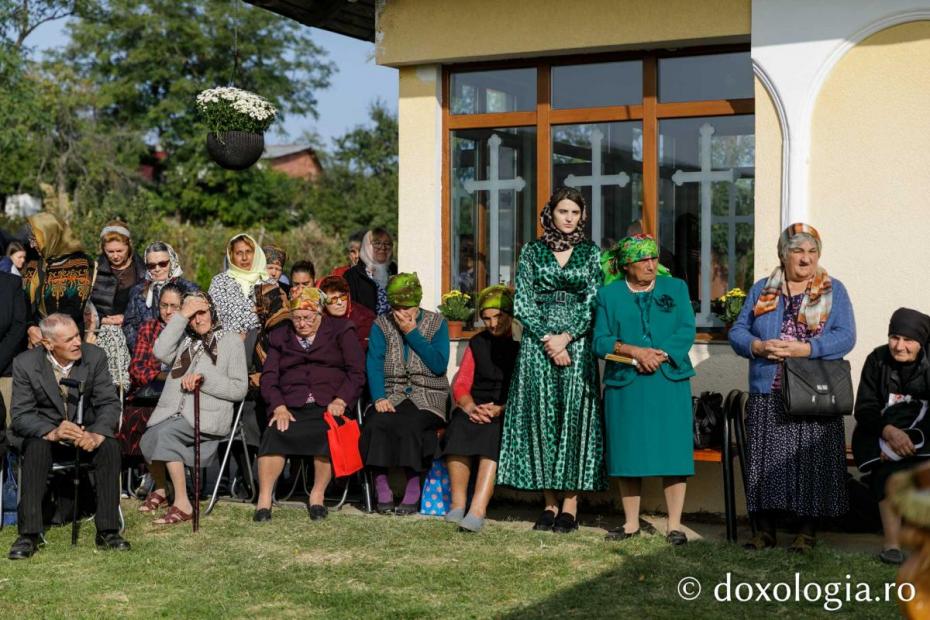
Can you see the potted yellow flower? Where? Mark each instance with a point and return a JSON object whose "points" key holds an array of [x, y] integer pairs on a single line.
{"points": [[728, 306], [456, 308]]}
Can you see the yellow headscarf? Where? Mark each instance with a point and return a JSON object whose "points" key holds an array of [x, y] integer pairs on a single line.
{"points": [[53, 237], [247, 278]]}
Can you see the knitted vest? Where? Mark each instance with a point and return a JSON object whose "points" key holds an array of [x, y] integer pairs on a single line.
{"points": [[411, 378]]}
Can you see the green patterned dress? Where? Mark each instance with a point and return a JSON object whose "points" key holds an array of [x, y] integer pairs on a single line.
{"points": [[553, 433]]}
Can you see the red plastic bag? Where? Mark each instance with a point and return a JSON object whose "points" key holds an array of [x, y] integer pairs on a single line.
{"points": [[343, 445]]}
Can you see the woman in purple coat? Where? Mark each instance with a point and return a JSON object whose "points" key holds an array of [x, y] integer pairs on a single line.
{"points": [[314, 365]]}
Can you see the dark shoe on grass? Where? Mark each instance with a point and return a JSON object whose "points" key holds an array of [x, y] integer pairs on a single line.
{"points": [[385, 508], [261, 515], [545, 522], [676, 538], [317, 512], [892, 556], [621, 534], [565, 523], [24, 548], [803, 543], [111, 541], [762, 540], [407, 509]]}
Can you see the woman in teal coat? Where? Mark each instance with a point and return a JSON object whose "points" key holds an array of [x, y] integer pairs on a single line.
{"points": [[647, 403]]}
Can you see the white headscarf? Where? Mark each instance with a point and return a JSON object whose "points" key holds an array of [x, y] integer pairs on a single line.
{"points": [[377, 271], [174, 271]]}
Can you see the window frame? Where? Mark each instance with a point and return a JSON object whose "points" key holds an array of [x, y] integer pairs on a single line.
{"points": [[649, 112]]}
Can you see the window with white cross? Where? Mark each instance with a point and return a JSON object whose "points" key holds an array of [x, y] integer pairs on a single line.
{"points": [[660, 142]]}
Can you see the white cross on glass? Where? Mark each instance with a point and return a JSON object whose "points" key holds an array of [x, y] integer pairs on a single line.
{"points": [[596, 181], [706, 176], [494, 185]]}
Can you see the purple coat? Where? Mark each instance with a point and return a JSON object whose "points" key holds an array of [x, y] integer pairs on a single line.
{"points": [[334, 367]]}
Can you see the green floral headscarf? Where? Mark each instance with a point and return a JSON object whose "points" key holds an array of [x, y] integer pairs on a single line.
{"points": [[404, 290], [629, 250], [498, 296]]}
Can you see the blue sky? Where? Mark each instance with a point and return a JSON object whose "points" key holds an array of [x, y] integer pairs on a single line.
{"points": [[358, 82]]}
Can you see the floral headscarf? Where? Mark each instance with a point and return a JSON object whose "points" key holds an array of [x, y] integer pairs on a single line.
{"points": [[818, 298], [310, 298], [498, 296], [194, 344], [274, 254], [153, 287], [246, 278], [630, 250], [404, 291], [557, 240]]}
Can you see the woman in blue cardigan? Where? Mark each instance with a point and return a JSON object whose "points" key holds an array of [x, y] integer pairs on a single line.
{"points": [[796, 465]]}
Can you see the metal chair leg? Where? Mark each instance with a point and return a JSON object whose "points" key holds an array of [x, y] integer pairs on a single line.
{"points": [[2, 484], [728, 498], [219, 477], [739, 426]]}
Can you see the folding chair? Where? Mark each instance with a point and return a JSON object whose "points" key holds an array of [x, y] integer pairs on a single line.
{"points": [[235, 433]]}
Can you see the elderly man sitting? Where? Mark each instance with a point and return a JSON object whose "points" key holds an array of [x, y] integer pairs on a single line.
{"points": [[44, 414]]}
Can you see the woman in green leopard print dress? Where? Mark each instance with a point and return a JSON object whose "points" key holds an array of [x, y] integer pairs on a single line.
{"points": [[553, 434]]}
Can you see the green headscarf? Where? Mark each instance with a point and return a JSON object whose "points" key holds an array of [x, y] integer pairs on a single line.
{"points": [[404, 290], [498, 296], [629, 250]]}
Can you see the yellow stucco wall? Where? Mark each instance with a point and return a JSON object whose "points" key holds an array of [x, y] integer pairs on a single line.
{"points": [[428, 31], [768, 183], [869, 181]]}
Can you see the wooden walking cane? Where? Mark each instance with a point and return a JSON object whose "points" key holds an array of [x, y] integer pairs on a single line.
{"points": [[196, 520], [79, 420]]}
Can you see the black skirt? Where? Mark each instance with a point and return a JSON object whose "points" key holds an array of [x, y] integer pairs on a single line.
{"points": [[465, 438], [406, 438], [304, 437]]}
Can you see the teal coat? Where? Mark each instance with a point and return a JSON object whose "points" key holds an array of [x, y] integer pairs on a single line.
{"points": [[670, 328]]}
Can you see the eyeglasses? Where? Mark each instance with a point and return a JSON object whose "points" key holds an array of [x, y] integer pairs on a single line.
{"points": [[383, 245], [303, 319], [164, 306], [335, 298], [159, 265]]}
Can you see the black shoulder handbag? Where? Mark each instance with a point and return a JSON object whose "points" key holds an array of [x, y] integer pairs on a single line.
{"points": [[817, 387], [707, 411]]}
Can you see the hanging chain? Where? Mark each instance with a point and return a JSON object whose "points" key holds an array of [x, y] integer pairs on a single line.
{"points": [[235, 75]]}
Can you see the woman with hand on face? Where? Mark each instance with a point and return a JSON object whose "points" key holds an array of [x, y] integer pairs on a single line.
{"points": [[314, 365], [200, 354], [408, 352], [480, 394], [553, 436], [233, 290], [339, 304], [647, 407], [796, 465], [892, 422], [162, 267]]}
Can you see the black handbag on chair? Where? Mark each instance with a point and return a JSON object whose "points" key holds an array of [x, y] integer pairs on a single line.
{"points": [[817, 387]]}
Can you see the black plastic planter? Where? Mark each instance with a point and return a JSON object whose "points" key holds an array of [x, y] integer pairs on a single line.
{"points": [[235, 150]]}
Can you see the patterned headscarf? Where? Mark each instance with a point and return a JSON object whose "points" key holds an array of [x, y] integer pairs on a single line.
{"points": [[194, 344], [246, 278], [818, 298], [404, 291], [498, 296], [557, 240], [310, 298], [274, 254], [153, 288], [630, 250]]}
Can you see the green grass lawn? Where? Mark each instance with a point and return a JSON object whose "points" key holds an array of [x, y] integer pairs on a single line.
{"points": [[353, 565]]}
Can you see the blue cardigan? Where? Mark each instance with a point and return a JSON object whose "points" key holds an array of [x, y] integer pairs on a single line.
{"points": [[837, 338]]}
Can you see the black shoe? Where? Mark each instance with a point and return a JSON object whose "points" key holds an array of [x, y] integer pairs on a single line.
{"points": [[24, 548], [111, 540], [545, 521], [565, 523], [891, 556], [385, 508], [261, 515], [407, 509], [621, 534], [317, 512], [676, 538]]}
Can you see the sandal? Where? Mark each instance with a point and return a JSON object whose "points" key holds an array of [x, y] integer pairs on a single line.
{"points": [[173, 516], [803, 543], [762, 540], [153, 501]]}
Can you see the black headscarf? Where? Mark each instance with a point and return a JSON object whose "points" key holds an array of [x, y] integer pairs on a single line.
{"points": [[910, 324]]}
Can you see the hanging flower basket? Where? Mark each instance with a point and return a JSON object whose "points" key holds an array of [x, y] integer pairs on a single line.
{"points": [[237, 120]]}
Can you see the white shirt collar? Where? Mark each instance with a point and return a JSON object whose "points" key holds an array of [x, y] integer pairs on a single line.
{"points": [[65, 370]]}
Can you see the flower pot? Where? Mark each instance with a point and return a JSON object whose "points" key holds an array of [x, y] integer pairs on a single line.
{"points": [[235, 150], [455, 329]]}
